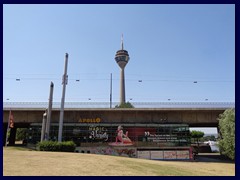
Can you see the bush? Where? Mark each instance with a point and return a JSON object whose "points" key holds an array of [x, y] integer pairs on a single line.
{"points": [[67, 146]]}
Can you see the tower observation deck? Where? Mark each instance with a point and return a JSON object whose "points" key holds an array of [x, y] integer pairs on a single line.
{"points": [[122, 59]]}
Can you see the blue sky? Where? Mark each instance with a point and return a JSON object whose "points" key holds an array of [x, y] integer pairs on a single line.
{"points": [[170, 47]]}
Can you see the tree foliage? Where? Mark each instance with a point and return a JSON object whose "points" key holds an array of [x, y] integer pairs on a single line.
{"points": [[197, 135], [227, 132], [21, 134], [125, 105], [209, 138]]}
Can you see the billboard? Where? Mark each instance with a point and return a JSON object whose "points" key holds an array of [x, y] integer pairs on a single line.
{"points": [[137, 135]]}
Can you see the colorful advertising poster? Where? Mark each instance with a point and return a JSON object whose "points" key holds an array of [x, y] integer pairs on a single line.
{"points": [[92, 132], [156, 154], [143, 154], [122, 138], [98, 133], [170, 155], [144, 133], [183, 154]]}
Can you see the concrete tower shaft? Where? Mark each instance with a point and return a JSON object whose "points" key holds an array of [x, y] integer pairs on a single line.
{"points": [[122, 58]]}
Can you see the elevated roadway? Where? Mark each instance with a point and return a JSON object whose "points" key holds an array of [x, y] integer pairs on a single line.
{"points": [[195, 114]]}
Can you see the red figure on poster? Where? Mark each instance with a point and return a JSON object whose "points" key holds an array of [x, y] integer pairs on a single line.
{"points": [[123, 138]]}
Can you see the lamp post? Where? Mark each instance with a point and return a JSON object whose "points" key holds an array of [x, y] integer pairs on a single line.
{"points": [[64, 83]]}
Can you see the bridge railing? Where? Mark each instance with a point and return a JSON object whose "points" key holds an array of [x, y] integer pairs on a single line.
{"points": [[76, 105]]}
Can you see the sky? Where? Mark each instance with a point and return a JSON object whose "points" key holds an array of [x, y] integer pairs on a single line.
{"points": [[170, 47]]}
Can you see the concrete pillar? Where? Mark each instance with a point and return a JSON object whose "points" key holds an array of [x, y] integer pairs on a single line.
{"points": [[43, 134]]}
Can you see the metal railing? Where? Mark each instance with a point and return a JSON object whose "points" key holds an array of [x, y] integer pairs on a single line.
{"points": [[77, 105]]}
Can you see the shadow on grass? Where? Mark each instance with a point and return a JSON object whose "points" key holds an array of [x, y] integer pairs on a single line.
{"points": [[213, 157]]}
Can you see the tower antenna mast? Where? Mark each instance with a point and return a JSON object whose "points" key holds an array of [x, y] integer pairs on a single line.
{"points": [[122, 42]]}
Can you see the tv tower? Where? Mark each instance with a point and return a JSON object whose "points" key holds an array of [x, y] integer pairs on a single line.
{"points": [[122, 59]]}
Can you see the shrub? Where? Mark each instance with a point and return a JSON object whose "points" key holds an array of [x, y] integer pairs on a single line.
{"points": [[67, 146]]}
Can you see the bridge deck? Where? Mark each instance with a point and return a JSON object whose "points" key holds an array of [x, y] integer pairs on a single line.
{"points": [[106, 105]]}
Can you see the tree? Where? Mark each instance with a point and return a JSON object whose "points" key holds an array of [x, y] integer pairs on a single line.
{"points": [[125, 105], [209, 138], [21, 134], [227, 132], [197, 135]]}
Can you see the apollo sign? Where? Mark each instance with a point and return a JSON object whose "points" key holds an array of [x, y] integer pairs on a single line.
{"points": [[89, 120]]}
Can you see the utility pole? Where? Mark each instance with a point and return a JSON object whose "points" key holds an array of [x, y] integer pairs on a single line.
{"points": [[49, 112], [111, 91], [64, 83], [44, 126]]}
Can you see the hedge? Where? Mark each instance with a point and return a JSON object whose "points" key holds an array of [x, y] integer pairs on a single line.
{"points": [[66, 146]]}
